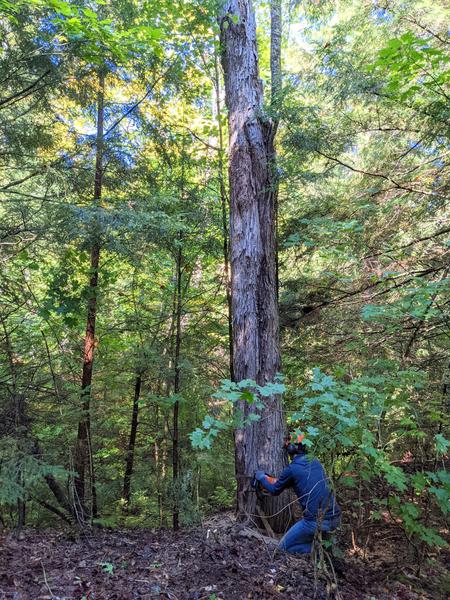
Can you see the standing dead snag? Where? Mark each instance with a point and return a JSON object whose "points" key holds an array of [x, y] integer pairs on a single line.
{"points": [[253, 253]]}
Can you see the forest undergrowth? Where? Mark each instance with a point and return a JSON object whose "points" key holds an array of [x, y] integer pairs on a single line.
{"points": [[217, 560], [222, 221]]}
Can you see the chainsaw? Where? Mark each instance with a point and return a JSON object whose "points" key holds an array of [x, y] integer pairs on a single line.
{"points": [[259, 488]]}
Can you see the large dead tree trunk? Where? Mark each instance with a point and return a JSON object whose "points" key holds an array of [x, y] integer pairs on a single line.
{"points": [[253, 254], [83, 451]]}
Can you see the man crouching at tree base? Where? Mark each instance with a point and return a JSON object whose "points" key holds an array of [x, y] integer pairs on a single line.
{"points": [[310, 482]]}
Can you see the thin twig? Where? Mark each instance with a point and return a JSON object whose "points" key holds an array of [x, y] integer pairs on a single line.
{"points": [[45, 580]]}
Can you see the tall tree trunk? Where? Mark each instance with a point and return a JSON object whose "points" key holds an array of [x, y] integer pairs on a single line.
{"points": [[19, 421], [164, 463], [169, 349], [224, 205], [253, 254], [21, 428], [21, 505], [176, 389], [157, 459], [129, 462], [276, 30], [83, 451]]}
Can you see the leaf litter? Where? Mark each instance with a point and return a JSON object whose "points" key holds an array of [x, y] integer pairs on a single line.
{"points": [[217, 561]]}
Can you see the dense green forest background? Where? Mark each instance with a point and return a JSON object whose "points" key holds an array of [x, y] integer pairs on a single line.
{"points": [[113, 144]]}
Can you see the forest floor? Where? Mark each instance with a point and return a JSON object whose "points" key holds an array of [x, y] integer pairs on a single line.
{"points": [[211, 562]]}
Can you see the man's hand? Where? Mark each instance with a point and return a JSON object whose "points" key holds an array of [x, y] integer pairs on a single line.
{"points": [[260, 475]]}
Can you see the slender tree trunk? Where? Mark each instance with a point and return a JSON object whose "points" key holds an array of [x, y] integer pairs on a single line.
{"points": [[160, 454], [59, 494], [157, 459], [224, 205], [164, 463], [21, 507], [129, 462], [21, 427], [253, 255], [167, 391], [197, 486], [83, 451], [176, 389], [445, 405], [18, 407], [56, 489], [20, 421], [276, 31]]}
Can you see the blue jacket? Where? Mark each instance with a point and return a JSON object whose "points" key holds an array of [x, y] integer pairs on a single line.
{"points": [[311, 484]]}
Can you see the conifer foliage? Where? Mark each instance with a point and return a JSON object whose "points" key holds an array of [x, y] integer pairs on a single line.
{"points": [[220, 221]]}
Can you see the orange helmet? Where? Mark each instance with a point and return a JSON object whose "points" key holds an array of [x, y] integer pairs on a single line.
{"points": [[292, 441]]}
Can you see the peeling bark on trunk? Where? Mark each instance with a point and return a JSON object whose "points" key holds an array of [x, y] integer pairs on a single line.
{"points": [[253, 255], [277, 82], [83, 452]]}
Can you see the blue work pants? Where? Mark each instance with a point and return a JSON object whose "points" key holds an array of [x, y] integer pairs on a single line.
{"points": [[299, 538]]}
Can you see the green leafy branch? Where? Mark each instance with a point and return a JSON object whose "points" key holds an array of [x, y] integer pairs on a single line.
{"points": [[247, 391]]}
